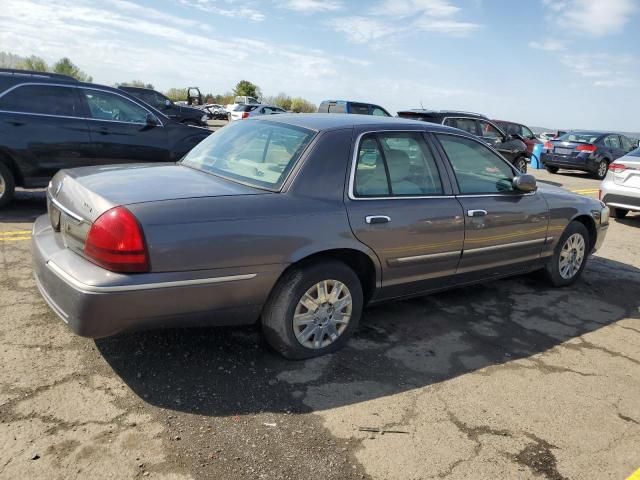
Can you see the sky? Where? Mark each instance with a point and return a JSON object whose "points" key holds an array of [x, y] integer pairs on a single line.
{"points": [[552, 63]]}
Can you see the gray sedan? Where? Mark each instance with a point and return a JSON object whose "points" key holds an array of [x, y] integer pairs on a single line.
{"points": [[297, 222]]}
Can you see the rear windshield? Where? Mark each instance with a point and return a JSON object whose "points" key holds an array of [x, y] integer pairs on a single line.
{"points": [[244, 108], [579, 137], [634, 153], [416, 116], [258, 153]]}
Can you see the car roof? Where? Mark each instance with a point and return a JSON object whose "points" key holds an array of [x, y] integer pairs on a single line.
{"points": [[591, 132], [427, 112], [330, 121], [349, 101], [129, 87]]}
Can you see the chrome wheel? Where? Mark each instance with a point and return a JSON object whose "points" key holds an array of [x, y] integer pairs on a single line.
{"points": [[602, 169], [3, 186], [572, 256], [322, 314]]}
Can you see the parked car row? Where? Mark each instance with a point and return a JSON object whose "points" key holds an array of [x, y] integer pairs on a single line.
{"points": [[328, 212], [49, 122], [296, 222]]}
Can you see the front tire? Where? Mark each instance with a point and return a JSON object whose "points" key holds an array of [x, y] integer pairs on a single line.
{"points": [[601, 170], [618, 212], [551, 169], [521, 164], [313, 310], [7, 185], [566, 264]]}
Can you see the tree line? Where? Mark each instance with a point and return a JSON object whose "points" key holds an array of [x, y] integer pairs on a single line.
{"points": [[243, 88]]}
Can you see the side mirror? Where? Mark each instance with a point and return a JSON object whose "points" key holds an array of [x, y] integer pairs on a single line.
{"points": [[152, 120], [167, 103], [525, 183]]}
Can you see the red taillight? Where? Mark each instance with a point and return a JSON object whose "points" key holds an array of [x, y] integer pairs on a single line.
{"points": [[617, 167], [548, 145], [115, 242], [586, 148], [245, 115]]}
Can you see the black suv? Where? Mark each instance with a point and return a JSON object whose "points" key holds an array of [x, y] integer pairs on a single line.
{"points": [[512, 147], [187, 115], [49, 122]]}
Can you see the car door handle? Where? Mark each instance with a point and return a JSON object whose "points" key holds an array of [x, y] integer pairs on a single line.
{"points": [[476, 213], [373, 219]]}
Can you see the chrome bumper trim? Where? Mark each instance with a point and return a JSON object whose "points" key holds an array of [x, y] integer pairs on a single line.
{"points": [[74, 282]]}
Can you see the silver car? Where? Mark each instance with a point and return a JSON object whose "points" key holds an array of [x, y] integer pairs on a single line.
{"points": [[620, 189], [242, 112]]}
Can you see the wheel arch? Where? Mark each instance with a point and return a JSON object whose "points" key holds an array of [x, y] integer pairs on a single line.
{"points": [[10, 163], [590, 225], [364, 264]]}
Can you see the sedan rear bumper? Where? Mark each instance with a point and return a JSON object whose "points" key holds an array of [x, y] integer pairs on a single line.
{"points": [[97, 303], [570, 162]]}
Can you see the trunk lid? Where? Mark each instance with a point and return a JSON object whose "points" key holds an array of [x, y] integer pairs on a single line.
{"points": [[630, 176], [77, 197], [567, 151]]}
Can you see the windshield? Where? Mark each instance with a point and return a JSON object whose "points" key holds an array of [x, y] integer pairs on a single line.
{"points": [[258, 153], [579, 137]]}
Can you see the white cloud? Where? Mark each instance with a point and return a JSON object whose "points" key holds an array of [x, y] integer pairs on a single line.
{"points": [[548, 45], [213, 6], [614, 83], [312, 6], [603, 70], [389, 17], [125, 41], [447, 27], [591, 17], [403, 8], [362, 29]]}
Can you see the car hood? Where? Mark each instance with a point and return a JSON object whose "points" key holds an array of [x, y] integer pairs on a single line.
{"points": [[90, 191], [553, 194]]}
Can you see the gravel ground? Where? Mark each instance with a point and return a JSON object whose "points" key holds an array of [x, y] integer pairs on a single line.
{"points": [[509, 379]]}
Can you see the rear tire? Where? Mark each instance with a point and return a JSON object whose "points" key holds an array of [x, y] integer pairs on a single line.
{"points": [[7, 185], [324, 326], [566, 264], [601, 170], [618, 212], [552, 169], [521, 164]]}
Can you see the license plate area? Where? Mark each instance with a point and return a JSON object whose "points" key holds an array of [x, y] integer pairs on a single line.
{"points": [[563, 151]]}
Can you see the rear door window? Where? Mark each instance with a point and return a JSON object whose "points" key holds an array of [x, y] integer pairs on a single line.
{"points": [[42, 99], [612, 141], [396, 164]]}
